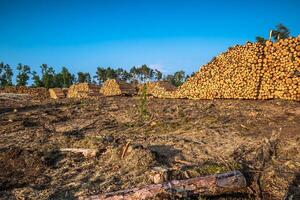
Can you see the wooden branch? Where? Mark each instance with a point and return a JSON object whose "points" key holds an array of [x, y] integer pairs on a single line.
{"points": [[85, 152], [207, 185], [125, 149]]}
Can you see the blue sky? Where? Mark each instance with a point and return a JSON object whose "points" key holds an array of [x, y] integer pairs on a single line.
{"points": [[168, 35]]}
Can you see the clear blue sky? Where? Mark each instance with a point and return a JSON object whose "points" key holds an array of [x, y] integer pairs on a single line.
{"points": [[169, 35]]}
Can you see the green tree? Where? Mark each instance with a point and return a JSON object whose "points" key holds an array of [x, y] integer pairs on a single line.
{"points": [[111, 73], [6, 75], [179, 78], [170, 78], [281, 32], [123, 75], [176, 79], [134, 74], [143, 103], [64, 79], [48, 76], [145, 73], [23, 74], [157, 75], [101, 75], [83, 77], [260, 39], [37, 82]]}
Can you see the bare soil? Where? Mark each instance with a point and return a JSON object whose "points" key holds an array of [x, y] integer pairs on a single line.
{"points": [[193, 138]]}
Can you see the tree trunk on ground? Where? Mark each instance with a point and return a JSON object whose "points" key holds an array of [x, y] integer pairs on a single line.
{"points": [[207, 185]]}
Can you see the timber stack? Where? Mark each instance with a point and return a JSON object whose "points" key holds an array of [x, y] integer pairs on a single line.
{"points": [[159, 89], [252, 71], [112, 87], [281, 70], [35, 93], [83, 90], [57, 93]]}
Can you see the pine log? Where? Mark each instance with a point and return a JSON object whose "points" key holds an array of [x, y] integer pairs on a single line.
{"points": [[208, 185]]}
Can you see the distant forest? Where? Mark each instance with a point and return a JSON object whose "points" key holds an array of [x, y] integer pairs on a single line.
{"points": [[50, 79]]}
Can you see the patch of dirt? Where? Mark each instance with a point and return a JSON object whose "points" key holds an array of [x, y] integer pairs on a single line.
{"points": [[191, 138]]}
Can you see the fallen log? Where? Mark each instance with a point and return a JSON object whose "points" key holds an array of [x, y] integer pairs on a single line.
{"points": [[85, 152], [208, 185]]}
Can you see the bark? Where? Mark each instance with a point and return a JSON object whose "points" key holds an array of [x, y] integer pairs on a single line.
{"points": [[207, 185]]}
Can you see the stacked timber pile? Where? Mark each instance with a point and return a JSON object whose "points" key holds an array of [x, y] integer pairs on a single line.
{"points": [[57, 93], [281, 70], [252, 71], [83, 90], [113, 87], [160, 89], [233, 74], [35, 93]]}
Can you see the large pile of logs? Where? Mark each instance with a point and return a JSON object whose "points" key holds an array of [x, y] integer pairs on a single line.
{"points": [[252, 71], [113, 87], [160, 89], [281, 70], [83, 90], [56, 93], [35, 93]]}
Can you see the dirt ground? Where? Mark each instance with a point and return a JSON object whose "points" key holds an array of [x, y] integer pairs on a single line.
{"points": [[193, 138]]}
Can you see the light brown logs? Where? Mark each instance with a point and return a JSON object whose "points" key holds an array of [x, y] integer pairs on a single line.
{"points": [[207, 185], [56, 93], [112, 87], [83, 90]]}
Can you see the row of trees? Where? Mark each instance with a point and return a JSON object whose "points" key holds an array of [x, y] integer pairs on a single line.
{"points": [[279, 32], [50, 79]]}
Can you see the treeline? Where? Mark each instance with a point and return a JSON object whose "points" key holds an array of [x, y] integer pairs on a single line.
{"points": [[48, 78], [276, 34]]}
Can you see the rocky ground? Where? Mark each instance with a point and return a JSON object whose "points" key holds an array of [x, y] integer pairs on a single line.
{"points": [[191, 138]]}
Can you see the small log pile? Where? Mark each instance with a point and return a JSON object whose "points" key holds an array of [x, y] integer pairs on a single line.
{"points": [[113, 87], [159, 89], [35, 93], [252, 71], [57, 93], [83, 90]]}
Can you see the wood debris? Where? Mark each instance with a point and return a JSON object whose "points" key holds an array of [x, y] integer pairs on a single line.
{"points": [[35, 93], [86, 152], [56, 93], [83, 90], [159, 89], [208, 185], [113, 87]]}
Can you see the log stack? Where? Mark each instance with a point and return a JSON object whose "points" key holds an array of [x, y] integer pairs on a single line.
{"points": [[83, 90], [56, 93], [252, 71], [281, 70], [113, 87], [160, 89], [35, 93]]}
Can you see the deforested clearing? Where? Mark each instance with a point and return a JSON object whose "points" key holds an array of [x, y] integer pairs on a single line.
{"points": [[188, 138]]}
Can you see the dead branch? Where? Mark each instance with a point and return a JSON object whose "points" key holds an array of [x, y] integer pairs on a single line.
{"points": [[85, 152], [207, 185], [125, 149]]}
